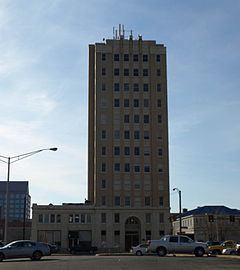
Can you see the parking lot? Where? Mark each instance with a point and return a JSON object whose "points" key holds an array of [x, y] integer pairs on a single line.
{"points": [[68, 262]]}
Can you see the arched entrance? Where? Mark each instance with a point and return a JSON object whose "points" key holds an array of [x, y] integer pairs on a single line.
{"points": [[132, 232]]}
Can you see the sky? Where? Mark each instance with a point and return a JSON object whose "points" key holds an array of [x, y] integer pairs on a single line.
{"points": [[44, 92]]}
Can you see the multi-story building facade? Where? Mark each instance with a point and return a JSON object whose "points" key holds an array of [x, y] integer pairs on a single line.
{"points": [[205, 223], [128, 174], [19, 209]]}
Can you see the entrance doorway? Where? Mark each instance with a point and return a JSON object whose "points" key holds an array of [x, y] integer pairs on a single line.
{"points": [[132, 232]]}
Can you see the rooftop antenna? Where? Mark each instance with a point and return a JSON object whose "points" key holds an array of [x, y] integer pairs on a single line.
{"points": [[113, 31], [123, 31]]}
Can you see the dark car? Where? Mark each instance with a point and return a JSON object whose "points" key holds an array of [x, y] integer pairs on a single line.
{"points": [[213, 243], [24, 249], [53, 248], [83, 247]]}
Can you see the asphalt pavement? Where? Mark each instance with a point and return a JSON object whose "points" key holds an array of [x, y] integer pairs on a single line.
{"points": [[82, 262]]}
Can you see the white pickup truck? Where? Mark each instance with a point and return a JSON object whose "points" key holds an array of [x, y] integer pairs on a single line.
{"points": [[177, 244]]}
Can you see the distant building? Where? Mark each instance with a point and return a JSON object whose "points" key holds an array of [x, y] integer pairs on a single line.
{"points": [[19, 205], [18, 199], [128, 165], [210, 223]]}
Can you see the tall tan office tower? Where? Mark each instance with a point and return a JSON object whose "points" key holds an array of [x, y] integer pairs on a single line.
{"points": [[128, 162]]}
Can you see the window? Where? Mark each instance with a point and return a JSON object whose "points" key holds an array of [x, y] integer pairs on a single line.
{"points": [[117, 167], [126, 103], [103, 167], [148, 218], [158, 57], [146, 168], [40, 218], [173, 239], [116, 217], [159, 103], [116, 71], [116, 57], [135, 72], [232, 218], [135, 58], [103, 151], [103, 183], [161, 218], [160, 152], [104, 134], [148, 235], [135, 87], [158, 72], [136, 151], [145, 72], [160, 201], [126, 134], [145, 103], [76, 218], [126, 118], [52, 218], [83, 218], [127, 201], [117, 200], [136, 103], [58, 218], [136, 134], [136, 168], [116, 151], [103, 200], [117, 134], [161, 233], [146, 118], [70, 218], [158, 87], [103, 217], [145, 87], [127, 150], [103, 57], [103, 71], [126, 57], [116, 102], [126, 72], [184, 239], [103, 236], [147, 201], [145, 58], [126, 87], [116, 87], [159, 119], [103, 87], [136, 118], [127, 167]]}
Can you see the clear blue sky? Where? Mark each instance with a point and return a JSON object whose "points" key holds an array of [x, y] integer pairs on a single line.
{"points": [[44, 80]]}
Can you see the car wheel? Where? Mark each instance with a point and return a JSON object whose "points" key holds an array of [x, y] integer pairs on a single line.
{"points": [[37, 255], [1, 257], [139, 253], [161, 251], [199, 252]]}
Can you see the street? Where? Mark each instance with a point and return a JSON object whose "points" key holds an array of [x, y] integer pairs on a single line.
{"points": [[66, 262]]}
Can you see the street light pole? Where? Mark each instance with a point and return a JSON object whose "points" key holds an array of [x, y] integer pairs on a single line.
{"points": [[10, 160], [180, 209]]}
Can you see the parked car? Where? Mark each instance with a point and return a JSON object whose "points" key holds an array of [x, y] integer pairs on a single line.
{"points": [[140, 249], [53, 248], [83, 247], [177, 244], [217, 249], [213, 243], [232, 251], [24, 249]]}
